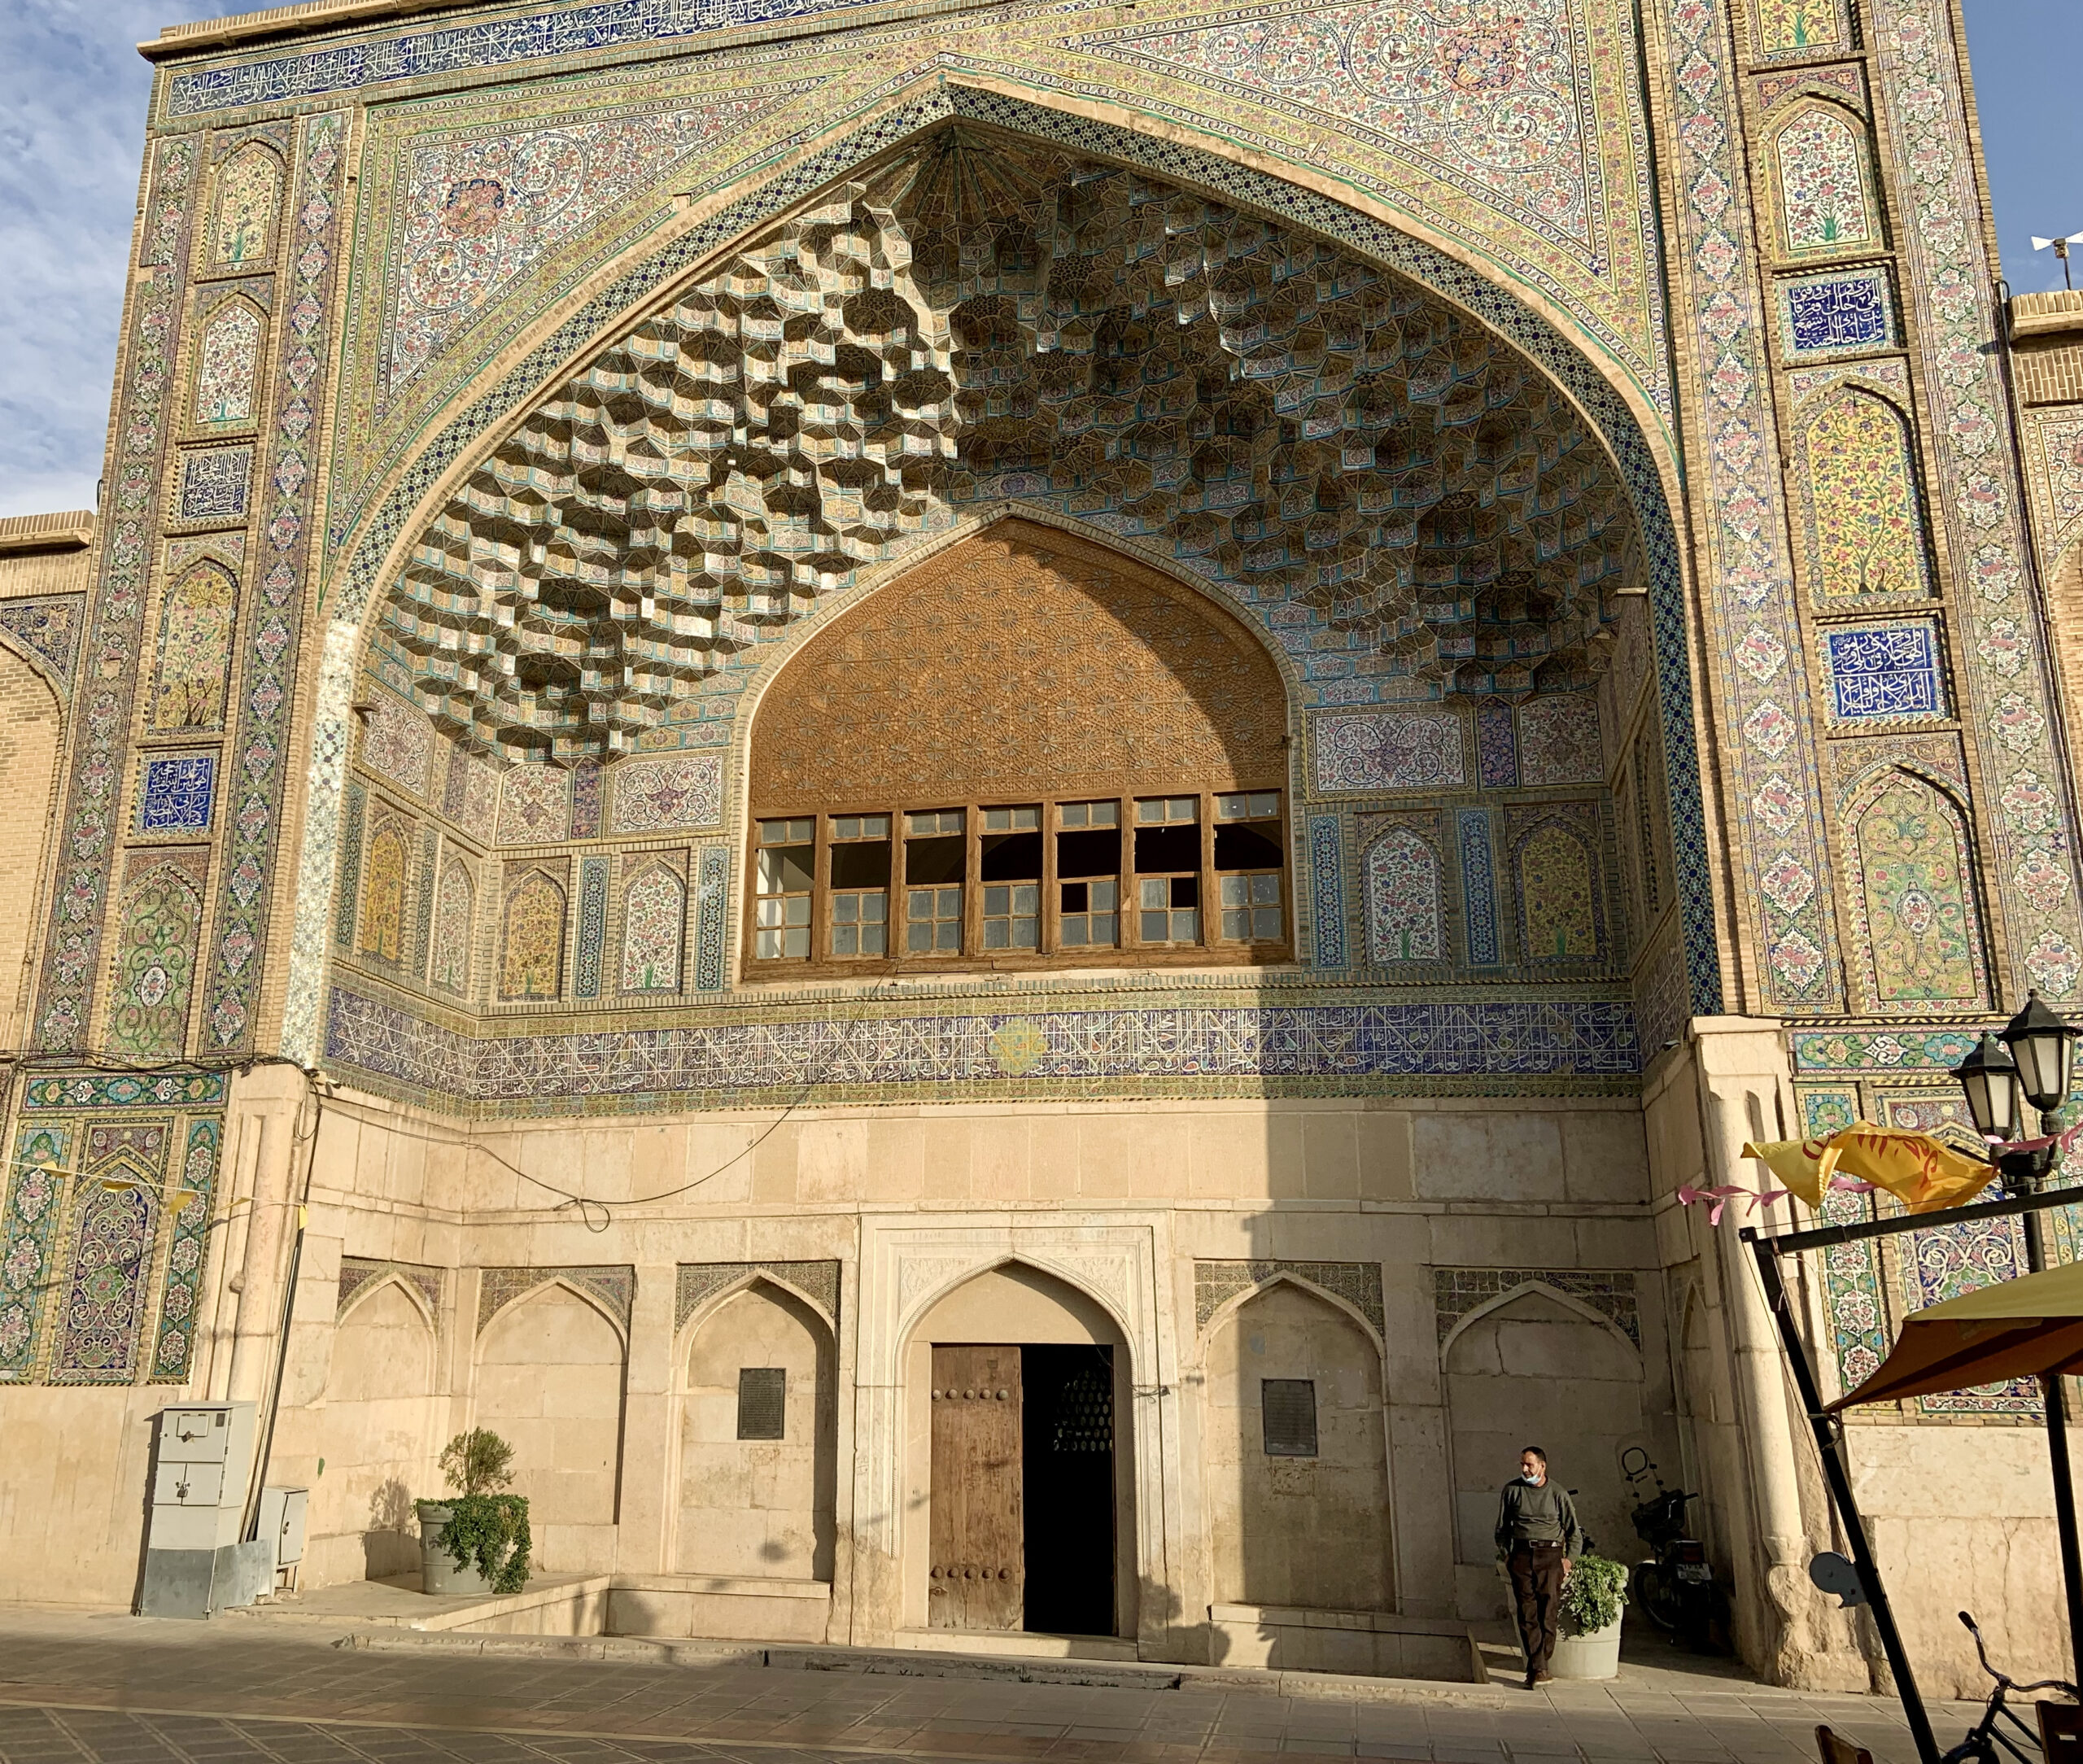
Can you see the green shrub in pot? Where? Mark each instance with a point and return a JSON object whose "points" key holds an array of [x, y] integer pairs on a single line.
{"points": [[1594, 1596], [482, 1529]]}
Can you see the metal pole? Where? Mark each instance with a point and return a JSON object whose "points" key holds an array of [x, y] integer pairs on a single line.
{"points": [[2052, 1399], [1838, 1477]]}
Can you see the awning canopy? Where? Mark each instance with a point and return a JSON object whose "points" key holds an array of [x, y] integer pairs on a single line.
{"points": [[2014, 1329]]}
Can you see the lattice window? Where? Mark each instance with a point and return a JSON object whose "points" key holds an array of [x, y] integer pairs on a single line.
{"points": [[1288, 1407], [762, 1402]]}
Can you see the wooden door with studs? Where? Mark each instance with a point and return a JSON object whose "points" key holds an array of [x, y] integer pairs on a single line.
{"points": [[977, 1578]]}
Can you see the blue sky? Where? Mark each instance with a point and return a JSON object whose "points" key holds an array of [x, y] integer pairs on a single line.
{"points": [[72, 92]]}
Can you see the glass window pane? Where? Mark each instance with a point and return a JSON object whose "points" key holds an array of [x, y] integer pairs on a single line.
{"points": [[1236, 925], [1266, 891], [1265, 923], [1105, 895], [783, 870], [788, 833], [1155, 929]]}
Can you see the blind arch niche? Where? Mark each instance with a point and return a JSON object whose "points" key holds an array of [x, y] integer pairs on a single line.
{"points": [[1022, 660], [1030, 669]]}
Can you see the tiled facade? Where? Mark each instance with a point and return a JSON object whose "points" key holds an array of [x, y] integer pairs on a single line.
{"points": [[549, 440]]}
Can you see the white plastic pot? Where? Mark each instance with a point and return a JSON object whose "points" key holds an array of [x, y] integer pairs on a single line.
{"points": [[1595, 1654], [439, 1573]]}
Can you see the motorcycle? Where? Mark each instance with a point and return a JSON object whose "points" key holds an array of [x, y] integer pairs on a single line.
{"points": [[1675, 1585]]}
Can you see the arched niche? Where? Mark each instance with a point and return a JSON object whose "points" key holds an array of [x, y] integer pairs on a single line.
{"points": [[1294, 1446], [378, 1423], [415, 525], [1534, 1366], [550, 1382], [30, 737], [1020, 1305], [758, 1484], [1042, 696]]}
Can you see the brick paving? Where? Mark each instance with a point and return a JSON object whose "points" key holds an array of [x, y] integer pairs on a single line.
{"points": [[116, 1690]]}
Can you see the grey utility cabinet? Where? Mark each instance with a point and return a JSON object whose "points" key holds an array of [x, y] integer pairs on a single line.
{"points": [[195, 1561]]}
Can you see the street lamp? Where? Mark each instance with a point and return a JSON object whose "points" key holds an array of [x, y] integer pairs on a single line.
{"points": [[1989, 1076], [2031, 1061], [2044, 1047]]}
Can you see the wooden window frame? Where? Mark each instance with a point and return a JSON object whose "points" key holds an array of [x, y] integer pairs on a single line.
{"points": [[1211, 950]]}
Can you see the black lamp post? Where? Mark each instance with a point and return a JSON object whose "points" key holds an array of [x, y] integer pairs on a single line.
{"points": [[2033, 1061]]}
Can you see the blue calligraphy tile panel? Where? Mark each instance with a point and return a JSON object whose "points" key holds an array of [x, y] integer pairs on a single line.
{"points": [[1827, 315], [566, 30], [175, 792], [1502, 1042], [213, 483], [1479, 887], [1879, 672]]}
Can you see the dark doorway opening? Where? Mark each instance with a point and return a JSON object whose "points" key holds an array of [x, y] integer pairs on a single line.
{"points": [[1067, 1465]]}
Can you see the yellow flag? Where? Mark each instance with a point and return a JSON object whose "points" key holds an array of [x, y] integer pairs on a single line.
{"points": [[1804, 1165], [1923, 1173]]}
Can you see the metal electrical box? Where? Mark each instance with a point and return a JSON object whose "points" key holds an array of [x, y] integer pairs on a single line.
{"points": [[281, 1523], [195, 1561]]}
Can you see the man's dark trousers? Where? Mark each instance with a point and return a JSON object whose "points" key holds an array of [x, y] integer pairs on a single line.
{"points": [[1537, 1585]]}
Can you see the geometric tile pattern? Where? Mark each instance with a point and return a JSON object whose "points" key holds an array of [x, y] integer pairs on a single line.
{"points": [[712, 918], [357, 1274], [1457, 1291], [817, 1281], [1327, 875], [614, 1286], [1358, 1283]]}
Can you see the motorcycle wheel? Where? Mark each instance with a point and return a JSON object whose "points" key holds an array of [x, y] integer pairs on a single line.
{"points": [[1656, 1594]]}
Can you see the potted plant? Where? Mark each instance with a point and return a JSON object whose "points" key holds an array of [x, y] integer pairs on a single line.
{"points": [[476, 1542], [1593, 1601]]}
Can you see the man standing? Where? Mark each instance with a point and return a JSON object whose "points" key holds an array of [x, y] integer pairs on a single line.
{"points": [[1539, 1537]]}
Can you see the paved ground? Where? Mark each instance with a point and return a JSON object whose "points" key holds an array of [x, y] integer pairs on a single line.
{"points": [[117, 1690]]}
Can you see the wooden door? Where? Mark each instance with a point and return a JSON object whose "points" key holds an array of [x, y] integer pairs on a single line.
{"points": [[978, 1576]]}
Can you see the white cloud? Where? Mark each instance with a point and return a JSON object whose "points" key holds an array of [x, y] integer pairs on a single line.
{"points": [[72, 95]]}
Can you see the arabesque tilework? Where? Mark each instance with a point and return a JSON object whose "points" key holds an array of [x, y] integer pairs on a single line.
{"points": [[274, 620], [2008, 681]]}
